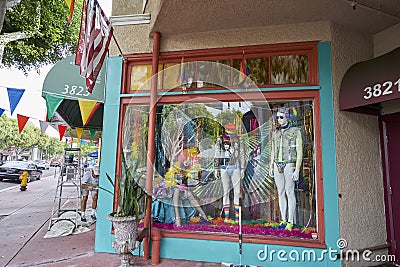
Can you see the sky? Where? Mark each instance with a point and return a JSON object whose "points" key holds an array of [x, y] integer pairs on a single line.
{"points": [[32, 104]]}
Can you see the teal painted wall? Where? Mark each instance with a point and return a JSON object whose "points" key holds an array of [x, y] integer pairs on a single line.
{"points": [[103, 237], [220, 251]]}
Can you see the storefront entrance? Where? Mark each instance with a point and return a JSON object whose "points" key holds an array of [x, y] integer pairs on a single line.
{"points": [[390, 131]]}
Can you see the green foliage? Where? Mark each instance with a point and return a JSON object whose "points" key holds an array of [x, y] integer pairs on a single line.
{"points": [[11, 139], [131, 190], [55, 147], [49, 38], [86, 149]]}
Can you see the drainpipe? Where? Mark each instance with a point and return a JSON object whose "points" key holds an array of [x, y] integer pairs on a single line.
{"points": [[151, 142]]}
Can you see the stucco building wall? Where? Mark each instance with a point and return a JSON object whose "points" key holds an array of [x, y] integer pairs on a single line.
{"points": [[359, 169], [387, 40]]}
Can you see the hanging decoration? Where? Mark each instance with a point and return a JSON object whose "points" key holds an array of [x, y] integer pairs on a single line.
{"points": [[61, 130], [43, 126], [92, 133], [79, 132], [70, 4], [244, 71], [14, 96], [86, 107], [22, 120], [52, 103], [98, 104]]}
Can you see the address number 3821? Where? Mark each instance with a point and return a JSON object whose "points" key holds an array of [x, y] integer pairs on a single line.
{"points": [[74, 90], [381, 89]]}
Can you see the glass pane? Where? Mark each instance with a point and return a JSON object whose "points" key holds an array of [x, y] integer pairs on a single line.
{"points": [[258, 70], [170, 75], [219, 74], [135, 130], [134, 142], [289, 69], [211, 155], [141, 77]]}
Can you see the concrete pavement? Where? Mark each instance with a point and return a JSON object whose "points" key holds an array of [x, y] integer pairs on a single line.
{"points": [[24, 219]]}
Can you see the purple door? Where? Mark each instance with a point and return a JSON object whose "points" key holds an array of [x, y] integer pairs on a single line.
{"points": [[390, 140]]}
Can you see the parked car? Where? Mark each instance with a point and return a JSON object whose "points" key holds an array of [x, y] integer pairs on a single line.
{"points": [[42, 164], [12, 170], [55, 163]]}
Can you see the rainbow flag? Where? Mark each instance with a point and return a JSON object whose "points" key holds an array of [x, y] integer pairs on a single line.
{"points": [[244, 71], [182, 72]]}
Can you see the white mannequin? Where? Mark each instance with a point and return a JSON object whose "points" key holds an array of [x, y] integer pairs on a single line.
{"points": [[286, 158]]}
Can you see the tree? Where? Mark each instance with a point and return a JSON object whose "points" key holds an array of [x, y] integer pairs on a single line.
{"points": [[55, 147], [34, 33], [17, 143]]}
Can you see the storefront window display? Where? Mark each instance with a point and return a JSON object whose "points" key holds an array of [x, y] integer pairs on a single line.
{"points": [[212, 157]]}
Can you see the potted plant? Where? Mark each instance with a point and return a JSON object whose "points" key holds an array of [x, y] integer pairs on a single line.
{"points": [[125, 219]]}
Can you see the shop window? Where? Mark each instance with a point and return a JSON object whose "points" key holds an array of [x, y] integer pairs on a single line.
{"points": [[258, 70], [210, 155], [291, 69], [263, 69]]}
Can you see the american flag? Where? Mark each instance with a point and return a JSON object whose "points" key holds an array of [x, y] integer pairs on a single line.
{"points": [[94, 39]]}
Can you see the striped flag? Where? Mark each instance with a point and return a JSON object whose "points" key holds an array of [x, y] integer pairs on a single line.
{"points": [[94, 39]]}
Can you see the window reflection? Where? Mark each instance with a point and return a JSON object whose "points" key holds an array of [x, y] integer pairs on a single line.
{"points": [[289, 69]]}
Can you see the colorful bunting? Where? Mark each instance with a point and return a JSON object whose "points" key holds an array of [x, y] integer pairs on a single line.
{"points": [[61, 130], [14, 96], [244, 71], [79, 132], [43, 126], [98, 104], [52, 103], [70, 4], [92, 133], [22, 120], [1, 111], [86, 107]]}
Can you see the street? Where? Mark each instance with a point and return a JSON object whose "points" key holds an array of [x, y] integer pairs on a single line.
{"points": [[23, 214], [46, 173]]}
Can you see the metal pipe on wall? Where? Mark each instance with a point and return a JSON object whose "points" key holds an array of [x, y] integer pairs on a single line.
{"points": [[151, 140]]}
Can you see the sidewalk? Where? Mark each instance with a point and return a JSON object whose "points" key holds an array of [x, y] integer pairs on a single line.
{"points": [[24, 222]]}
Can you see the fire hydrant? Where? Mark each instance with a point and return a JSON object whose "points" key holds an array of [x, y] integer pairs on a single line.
{"points": [[24, 180]]}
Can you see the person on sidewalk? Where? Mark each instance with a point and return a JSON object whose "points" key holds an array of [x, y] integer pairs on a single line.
{"points": [[90, 182]]}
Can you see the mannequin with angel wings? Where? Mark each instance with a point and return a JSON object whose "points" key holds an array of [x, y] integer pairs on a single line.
{"points": [[286, 159]]}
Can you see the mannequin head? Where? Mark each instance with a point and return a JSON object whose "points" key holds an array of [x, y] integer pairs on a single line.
{"points": [[283, 115], [281, 118]]}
